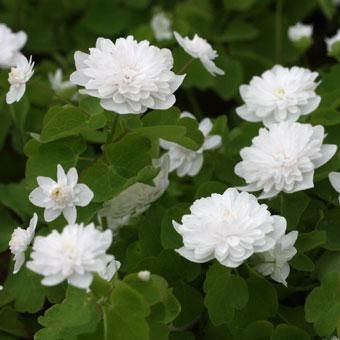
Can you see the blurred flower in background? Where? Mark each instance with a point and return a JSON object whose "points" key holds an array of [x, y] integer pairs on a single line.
{"points": [[161, 26]]}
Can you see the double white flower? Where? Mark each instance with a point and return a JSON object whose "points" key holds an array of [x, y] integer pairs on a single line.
{"points": [[186, 161], [10, 46], [128, 76], [73, 255], [57, 83], [283, 158], [20, 240], [199, 48], [19, 75], [230, 227], [61, 196], [161, 27], [279, 94]]}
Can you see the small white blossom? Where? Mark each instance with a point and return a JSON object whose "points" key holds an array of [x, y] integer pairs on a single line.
{"points": [[110, 270], [275, 261], [229, 227], [73, 255], [300, 31], [1, 287], [283, 158], [334, 178], [186, 161], [10, 45], [280, 94], [199, 48], [144, 275], [61, 197], [137, 198], [332, 40], [57, 83], [20, 240], [20, 74], [161, 27], [128, 76]]}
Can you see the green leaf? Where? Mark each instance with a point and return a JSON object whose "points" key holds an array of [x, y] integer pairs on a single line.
{"points": [[325, 116], [331, 225], [293, 206], [258, 330], [15, 197], [225, 292], [328, 262], [61, 122], [26, 291], [43, 158], [10, 323], [323, 305], [126, 316], [239, 30], [239, 5], [170, 239], [284, 332], [76, 315], [311, 240], [302, 262], [262, 304], [191, 302]]}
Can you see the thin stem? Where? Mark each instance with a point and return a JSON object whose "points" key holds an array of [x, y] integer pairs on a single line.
{"points": [[194, 104], [186, 65], [17, 124], [278, 30], [105, 323]]}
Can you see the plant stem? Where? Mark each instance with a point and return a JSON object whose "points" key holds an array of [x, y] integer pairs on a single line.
{"points": [[186, 65], [278, 30], [194, 104], [104, 322]]}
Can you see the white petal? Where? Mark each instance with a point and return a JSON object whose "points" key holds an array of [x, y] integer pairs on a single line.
{"points": [[334, 178], [38, 197], [72, 177], [70, 214], [81, 280], [85, 195], [19, 261], [51, 214]]}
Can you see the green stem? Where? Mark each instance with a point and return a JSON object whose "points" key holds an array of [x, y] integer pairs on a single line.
{"points": [[185, 66], [278, 30], [17, 124], [194, 104], [105, 323]]}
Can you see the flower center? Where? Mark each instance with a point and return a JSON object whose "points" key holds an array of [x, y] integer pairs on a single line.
{"points": [[61, 195], [15, 76], [280, 91], [129, 74]]}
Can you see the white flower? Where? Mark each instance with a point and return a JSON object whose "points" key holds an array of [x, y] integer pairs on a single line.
{"points": [[73, 255], [61, 197], [332, 40], [280, 94], [283, 158], [57, 83], [300, 31], [199, 48], [161, 27], [275, 261], [137, 198], [334, 178], [229, 227], [20, 240], [18, 77], [144, 275], [1, 287], [128, 76], [110, 270], [10, 45], [186, 161]]}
